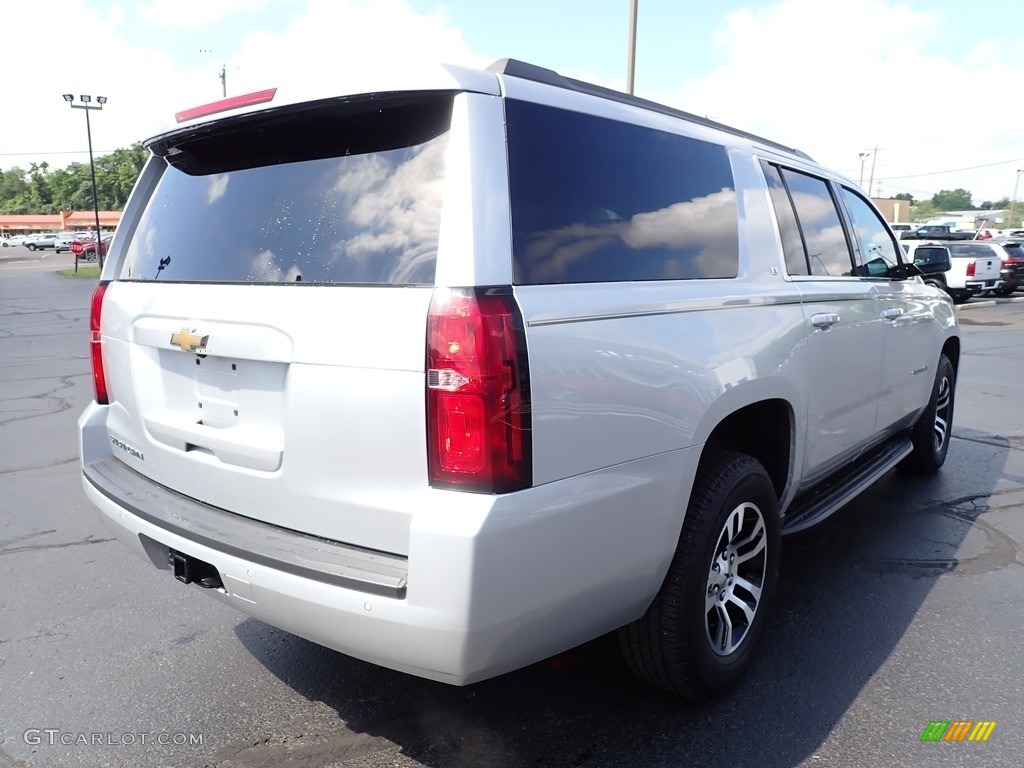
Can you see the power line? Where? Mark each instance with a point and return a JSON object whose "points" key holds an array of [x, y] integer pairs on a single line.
{"points": [[954, 170], [938, 173]]}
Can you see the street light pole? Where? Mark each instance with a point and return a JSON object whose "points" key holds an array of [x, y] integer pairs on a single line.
{"points": [[87, 106], [863, 156]]}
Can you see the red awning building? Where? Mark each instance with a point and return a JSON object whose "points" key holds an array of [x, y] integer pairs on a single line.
{"points": [[67, 221]]}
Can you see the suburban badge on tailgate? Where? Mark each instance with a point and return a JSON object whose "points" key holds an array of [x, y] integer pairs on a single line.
{"points": [[188, 341]]}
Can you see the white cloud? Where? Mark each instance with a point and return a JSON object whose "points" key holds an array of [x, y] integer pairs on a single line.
{"points": [[834, 79], [338, 42], [140, 84], [194, 13]]}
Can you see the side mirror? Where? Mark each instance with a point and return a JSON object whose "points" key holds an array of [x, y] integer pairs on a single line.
{"points": [[938, 261], [932, 259]]}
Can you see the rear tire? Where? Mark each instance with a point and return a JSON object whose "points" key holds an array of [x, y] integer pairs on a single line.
{"points": [[1004, 291], [699, 636], [933, 430]]}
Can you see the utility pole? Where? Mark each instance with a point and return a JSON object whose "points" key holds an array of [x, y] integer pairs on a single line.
{"points": [[224, 80], [874, 157], [1013, 200], [631, 56]]}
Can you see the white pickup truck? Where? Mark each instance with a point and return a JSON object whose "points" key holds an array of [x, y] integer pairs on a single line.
{"points": [[973, 268]]}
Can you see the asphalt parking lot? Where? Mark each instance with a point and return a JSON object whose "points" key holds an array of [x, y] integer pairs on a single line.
{"points": [[906, 608]]}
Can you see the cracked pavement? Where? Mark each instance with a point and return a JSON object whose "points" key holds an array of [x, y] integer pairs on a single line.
{"points": [[905, 608]]}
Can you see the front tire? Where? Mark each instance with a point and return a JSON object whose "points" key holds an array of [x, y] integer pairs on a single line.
{"points": [[698, 638], [933, 430], [31, 246]]}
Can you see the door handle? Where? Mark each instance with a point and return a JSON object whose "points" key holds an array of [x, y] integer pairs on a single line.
{"points": [[892, 313], [824, 320]]}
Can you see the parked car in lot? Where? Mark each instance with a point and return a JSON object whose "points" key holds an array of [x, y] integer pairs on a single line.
{"points": [[972, 267], [938, 232], [17, 240], [89, 248], [499, 411], [3, 241], [65, 239], [1010, 250], [41, 241]]}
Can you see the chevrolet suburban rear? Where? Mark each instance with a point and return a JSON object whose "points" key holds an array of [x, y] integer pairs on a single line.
{"points": [[454, 375]]}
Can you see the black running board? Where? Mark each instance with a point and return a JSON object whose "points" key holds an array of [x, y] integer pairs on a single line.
{"points": [[822, 501]]}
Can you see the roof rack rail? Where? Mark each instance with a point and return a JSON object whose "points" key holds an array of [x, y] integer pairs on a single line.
{"points": [[525, 71]]}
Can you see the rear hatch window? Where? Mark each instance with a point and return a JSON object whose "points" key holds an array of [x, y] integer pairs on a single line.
{"points": [[337, 192], [1014, 250]]}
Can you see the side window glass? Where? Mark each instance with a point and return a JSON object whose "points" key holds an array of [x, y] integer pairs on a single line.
{"points": [[878, 253], [789, 230], [827, 249], [598, 200]]}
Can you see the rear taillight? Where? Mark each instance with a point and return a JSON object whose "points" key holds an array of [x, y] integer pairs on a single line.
{"points": [[99, 378], [478, 392], [970, 269]]}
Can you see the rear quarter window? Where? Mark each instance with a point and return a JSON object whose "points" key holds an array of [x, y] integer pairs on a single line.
{"points": [[596, 200]]}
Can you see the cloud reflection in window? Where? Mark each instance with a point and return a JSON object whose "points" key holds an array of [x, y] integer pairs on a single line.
{"points": [[690, 239]]}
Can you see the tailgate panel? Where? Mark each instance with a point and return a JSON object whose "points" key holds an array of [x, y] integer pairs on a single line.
{"points": [[305, 438]]}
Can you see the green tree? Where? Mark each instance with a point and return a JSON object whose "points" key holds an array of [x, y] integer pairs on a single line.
{"points": [[1000, 204], [12, 184], [43, 190], [904, 196], [952, 200], [40, 187], [923, 211]]}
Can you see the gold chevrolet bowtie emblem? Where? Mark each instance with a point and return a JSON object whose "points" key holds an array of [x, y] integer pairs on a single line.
{"points": [[188, 341]]}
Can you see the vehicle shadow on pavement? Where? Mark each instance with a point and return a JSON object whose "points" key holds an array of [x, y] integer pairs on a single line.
{"points": [[849, 590]]}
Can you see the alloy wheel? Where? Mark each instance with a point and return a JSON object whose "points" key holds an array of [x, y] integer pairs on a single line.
{"points": [[736, 579]]}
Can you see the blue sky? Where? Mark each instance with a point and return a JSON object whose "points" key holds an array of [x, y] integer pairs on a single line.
{"points": [[928, 82]]}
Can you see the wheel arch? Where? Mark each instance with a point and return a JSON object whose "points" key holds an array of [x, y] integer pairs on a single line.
{"points": [[951, 349], [758, 418]]}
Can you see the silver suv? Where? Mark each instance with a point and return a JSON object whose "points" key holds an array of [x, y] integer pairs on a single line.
{"points": [[41, 241], [457, 376]]}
